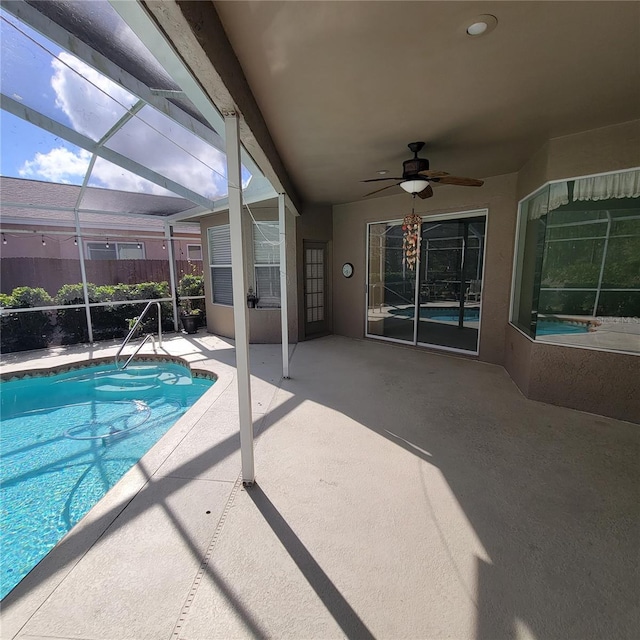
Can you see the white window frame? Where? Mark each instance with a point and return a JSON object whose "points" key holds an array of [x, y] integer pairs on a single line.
{"points": [[224, 265], [273, 301], [116, 247], [189, 246]]}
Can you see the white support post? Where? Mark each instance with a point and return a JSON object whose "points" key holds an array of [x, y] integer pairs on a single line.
{"points": [[83, 273], [239, 297], [168, 243], [284, 316]]}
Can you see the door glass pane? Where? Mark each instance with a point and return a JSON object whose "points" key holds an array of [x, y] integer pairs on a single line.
{"points": [[451, 255], [391, 286]]}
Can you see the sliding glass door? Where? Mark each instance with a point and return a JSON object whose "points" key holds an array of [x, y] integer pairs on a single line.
{"points": [[437, 304]]}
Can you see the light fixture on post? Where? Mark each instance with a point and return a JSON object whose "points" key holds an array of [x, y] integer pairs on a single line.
{"points": [[414, 186]]}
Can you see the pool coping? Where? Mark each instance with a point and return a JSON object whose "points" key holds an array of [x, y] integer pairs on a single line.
{"points": [[46, 372]]}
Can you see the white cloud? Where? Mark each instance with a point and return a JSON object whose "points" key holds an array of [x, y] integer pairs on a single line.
{"points": [[59, 165], [88, 98], [83, 94], [111, 176]]}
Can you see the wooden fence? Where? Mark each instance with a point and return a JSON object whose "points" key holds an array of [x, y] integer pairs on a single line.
{"points": [[51, 274]]}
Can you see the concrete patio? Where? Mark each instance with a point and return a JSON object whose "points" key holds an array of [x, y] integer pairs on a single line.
{"points": [[400, 494]]}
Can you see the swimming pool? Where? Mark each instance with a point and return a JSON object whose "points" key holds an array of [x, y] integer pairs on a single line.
{"points": [[443, 314], [67, 438], [557, 327]]}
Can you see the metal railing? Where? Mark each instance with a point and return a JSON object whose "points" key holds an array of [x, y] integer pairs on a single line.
{"points": [[146, 338]]}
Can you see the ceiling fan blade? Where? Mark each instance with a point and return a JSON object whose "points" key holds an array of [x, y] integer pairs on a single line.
{"points": [[379, 179], [429, 173], [426, 193], [457, 180], [383, 188]]}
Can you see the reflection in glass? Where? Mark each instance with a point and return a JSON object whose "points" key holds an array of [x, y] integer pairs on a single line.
{"points": [[447, 291], [578, 264], [392, 285], [451, 282]]}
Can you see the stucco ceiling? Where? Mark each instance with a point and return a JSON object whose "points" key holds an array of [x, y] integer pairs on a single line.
{"points": [[344, 86]]}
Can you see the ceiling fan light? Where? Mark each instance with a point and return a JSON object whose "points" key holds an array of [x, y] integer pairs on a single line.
{"points": [[414, 186], [481, 25], [477, 28]]}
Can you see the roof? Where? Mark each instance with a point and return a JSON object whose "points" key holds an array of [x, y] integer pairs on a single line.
{"points": [[36, 200]]}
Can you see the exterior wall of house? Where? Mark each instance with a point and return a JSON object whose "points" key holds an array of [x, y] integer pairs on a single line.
{"points": [[27, 262], [586, 379], [595, 381], [264, 324], [349, 243]]}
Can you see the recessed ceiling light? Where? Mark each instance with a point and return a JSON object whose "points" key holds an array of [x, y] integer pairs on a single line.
{"points": [[481, 25], [383, 172], [477, 28]]}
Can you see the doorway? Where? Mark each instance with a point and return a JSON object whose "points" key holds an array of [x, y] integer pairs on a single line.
{"points": [[438, 303], [315, 289]]}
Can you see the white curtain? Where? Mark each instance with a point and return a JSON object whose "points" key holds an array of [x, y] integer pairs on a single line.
{"points": [[615, 185], [557, 195]]}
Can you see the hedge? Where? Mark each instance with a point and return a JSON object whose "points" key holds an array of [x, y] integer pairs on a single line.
{"points": [[35, 329]]}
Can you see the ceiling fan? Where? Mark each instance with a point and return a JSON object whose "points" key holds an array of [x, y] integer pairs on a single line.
{"points": [[416, 176]]}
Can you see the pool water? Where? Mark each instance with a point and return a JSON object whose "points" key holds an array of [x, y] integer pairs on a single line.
{"points": [[550, 328], [443, 314], [68, 438]]}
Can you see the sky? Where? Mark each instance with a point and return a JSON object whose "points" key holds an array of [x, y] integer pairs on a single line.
{"points": [[42, 76]]}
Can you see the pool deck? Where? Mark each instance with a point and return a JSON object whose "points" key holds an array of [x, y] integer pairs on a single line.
{"points": [[400, 494]]}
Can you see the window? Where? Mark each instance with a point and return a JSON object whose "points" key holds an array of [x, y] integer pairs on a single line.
{"points": [[266, 256], [194, 252], [220, 262], [577, 277], [115, 250]]}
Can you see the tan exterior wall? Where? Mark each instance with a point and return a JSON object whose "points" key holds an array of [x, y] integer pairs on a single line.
{"points": [[595, 381], [264, 324], [314, 225], [349, 233]]}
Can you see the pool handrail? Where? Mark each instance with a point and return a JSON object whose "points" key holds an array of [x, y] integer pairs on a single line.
{"points": [[149, 335]]}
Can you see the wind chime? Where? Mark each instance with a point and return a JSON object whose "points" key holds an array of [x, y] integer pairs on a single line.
{"points": [[411, 228]]}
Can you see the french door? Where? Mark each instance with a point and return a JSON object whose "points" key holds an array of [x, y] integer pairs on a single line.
{"points": [[315, 288], [438, 302]]}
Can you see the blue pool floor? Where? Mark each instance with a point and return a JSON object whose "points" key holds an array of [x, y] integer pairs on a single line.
{"points": [[59, 457]]}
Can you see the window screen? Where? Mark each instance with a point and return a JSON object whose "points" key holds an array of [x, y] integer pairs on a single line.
{"points": [[194, 252], [220, 262], [266, 254]]}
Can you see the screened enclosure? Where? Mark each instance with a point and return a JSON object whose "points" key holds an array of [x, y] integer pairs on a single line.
{"points": [[106, 167]]}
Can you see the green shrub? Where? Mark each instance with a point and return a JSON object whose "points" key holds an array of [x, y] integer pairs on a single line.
{"points": [[111, 321], [192, 285], [27, 330]]}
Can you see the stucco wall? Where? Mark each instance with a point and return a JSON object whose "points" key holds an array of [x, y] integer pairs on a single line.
{"points": [[314, 225], [349, 233], [586, 379], [264, 324]]}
